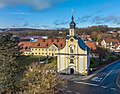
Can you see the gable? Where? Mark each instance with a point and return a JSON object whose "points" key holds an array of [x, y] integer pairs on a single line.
{"points": [[53, 47]]}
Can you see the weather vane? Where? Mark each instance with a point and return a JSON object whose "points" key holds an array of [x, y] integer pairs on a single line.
{"points": [[72, 12]]}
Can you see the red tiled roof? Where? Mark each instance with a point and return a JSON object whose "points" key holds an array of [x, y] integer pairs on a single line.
{"points": [[26, 44], [108, 40], [91, 45], [116, 45], [44, 43]]}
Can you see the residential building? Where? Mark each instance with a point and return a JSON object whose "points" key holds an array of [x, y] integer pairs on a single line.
{"points": [[109, 43]]}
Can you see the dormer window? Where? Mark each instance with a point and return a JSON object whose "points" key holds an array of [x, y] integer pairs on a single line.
{"points": [[21, 47], [26, 48], [57, 40], [52, 40], [43, 40], [47, 45], [61, 45], [38, 44]]}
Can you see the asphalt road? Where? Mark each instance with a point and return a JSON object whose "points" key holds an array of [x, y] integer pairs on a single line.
{"points": [[104, 82]]}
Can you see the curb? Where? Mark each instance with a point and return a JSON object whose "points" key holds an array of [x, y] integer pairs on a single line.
{"points": [[87, 77]]}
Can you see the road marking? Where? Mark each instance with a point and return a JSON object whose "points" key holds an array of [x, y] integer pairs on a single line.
{"points": [[113, 88], [97, 79], [103, 86], [108, 74], [77, 93], [86, 83], [69, 91]]}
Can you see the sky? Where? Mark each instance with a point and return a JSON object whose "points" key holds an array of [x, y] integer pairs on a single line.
{"points": [[52, 14]]}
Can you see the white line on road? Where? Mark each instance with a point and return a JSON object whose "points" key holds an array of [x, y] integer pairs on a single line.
{"points": [[108, 74], [86, 83], [113, 88], [77, 93], [103, 86]]}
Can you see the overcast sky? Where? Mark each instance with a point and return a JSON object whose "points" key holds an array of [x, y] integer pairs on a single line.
{"points": [[57, 13]]}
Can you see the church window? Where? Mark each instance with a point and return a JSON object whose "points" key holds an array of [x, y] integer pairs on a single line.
{"points": [[72, 49], [72, 60]]}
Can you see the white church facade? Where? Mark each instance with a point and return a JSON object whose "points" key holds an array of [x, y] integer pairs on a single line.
{"points": [[74, 58]]}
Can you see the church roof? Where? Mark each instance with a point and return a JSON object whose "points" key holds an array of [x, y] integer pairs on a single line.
{"points": [[83, 46], [72, 24]]}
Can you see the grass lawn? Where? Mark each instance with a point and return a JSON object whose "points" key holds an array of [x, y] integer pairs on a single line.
{"points": [[98, 63], [27, 60]]}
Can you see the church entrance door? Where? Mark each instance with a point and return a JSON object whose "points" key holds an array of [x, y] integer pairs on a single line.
{"points": [[71, 71]]}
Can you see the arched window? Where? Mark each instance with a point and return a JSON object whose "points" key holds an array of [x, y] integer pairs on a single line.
{"points": [[71, 60], [71, 49]]}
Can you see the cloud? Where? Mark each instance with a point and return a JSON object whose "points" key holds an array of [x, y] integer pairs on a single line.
{"points": [[36, 5], [83, 19], [26, 23], [99, 19], [106, 19], [45, 26], [60, 22]]}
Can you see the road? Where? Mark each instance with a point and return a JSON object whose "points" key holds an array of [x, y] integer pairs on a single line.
{"points": [[104, 82]]}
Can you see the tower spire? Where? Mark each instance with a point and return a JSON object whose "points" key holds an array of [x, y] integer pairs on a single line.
{"points": [[72, 15], [72, 12], [72, 26]]}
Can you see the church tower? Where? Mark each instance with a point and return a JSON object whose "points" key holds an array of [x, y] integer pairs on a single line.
{"points": [[72, 31]]}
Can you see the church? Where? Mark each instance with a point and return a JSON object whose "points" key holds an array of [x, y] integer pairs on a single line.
{"points": [[73, 56]]}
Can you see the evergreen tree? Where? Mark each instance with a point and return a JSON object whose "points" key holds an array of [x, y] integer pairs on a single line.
{"points": [[9, 53], [41, 79]]}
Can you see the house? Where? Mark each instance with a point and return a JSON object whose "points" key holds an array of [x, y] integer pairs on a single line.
{"points": [[117, 48], [86, 38], [73, 55], [109, 43]]}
